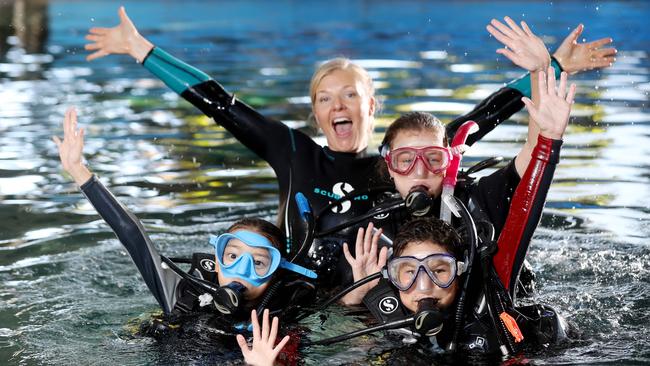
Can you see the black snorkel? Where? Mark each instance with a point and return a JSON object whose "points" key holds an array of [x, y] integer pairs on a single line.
{"points": [[458, 209], [227, 299]]}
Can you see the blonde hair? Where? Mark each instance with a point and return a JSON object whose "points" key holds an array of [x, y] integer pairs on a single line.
{"points": [[340, 63]]}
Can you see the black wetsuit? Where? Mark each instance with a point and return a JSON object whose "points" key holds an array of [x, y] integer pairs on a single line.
{"points": [[175, 294], [496, 276], [300, 164]]}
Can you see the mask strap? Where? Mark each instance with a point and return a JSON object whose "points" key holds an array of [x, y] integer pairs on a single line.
{"points": [[296, 268]]}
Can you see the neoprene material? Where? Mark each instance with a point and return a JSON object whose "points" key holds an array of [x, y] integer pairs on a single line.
{"points": [[178, 75], [523, 83], [161, 282], [300, 164], [526, 211]]}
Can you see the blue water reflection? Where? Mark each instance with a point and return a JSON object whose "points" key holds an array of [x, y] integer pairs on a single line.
{"points": [[70, 294]]}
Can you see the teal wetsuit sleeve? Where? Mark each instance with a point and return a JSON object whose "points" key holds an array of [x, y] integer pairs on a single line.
{"points": [[523, 83], [269, 139], [178, 75]]}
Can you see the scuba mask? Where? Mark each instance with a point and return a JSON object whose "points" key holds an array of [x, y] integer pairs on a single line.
{"points": [[442, 269], [236, 261]]}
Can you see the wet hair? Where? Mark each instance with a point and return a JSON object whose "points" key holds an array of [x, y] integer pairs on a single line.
{"points": [[414, 121], [428, 229], [340, 63], [411, 121], [264, 228]]}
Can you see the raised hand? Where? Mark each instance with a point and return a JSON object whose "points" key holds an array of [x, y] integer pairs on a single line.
{"points": [[575, 57], [551, 114], [121, 39], [365, 263], [523, 48], [263, 350], [71, 148]]}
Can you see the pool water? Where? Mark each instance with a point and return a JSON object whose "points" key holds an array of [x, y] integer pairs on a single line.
{"points": [[70, 294]]}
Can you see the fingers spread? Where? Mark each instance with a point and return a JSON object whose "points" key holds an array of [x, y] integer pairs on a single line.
{"points": [[92, 46], [367, 239], [98, 31], [599, 42], [550, 83], [383, 256], [527, 29], [499, 36], [265, 325], [274, 330], [530, 106], [509, 54], [561, 90], [256, 326], [605, 52], [281, 345], [503, 28], [98, 54], [93, 38], [571, 94], [358, 247], [515, 28], [241, 341], [577, 32], [347, 254]]}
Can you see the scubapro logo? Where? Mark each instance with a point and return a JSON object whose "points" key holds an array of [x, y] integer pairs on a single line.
{"points": [[388, 304], [208, 265], [342, 189]]}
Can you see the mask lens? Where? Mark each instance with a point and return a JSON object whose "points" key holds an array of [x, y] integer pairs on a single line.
{"points": [[260, 257], [402, 160], [441, 269], [436, 159]]}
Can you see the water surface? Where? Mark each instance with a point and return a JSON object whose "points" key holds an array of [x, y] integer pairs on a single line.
{"points": [[69, 293]]}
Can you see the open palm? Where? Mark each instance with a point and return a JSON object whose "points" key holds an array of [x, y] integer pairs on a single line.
{"points": [[523, 48], [551, 114], [116, 40]]}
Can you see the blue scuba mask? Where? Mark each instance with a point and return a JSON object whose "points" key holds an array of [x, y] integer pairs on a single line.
{"points": [[241, 263]]}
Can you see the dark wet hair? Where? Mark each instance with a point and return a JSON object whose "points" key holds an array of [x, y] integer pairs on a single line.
{"points": [[414, 121], [411, 121], [428, 229], [264, 228]]}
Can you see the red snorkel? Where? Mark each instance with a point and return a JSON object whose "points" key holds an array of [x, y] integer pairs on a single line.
{"points": [[458, 147]]}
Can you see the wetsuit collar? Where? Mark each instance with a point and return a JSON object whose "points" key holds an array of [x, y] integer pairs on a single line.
{"points": [[333, 155]]}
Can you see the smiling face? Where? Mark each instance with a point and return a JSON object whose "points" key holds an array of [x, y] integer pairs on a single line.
{"points": [[423, 287], [344, 109], [419, 175], [261, 260]]}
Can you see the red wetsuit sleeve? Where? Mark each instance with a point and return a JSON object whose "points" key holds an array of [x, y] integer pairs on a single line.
{"points": [[526, 210]]}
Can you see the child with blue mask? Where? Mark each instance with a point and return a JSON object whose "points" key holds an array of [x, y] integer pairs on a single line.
{"points": [[248, 255], [244, 276]]}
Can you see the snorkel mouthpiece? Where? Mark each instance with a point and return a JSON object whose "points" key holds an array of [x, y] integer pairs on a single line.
{"points": [[428, 319], [418, 202], [229, 298]]}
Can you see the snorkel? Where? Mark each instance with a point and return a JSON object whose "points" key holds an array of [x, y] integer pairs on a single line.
{"points": [[458, 147]]}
